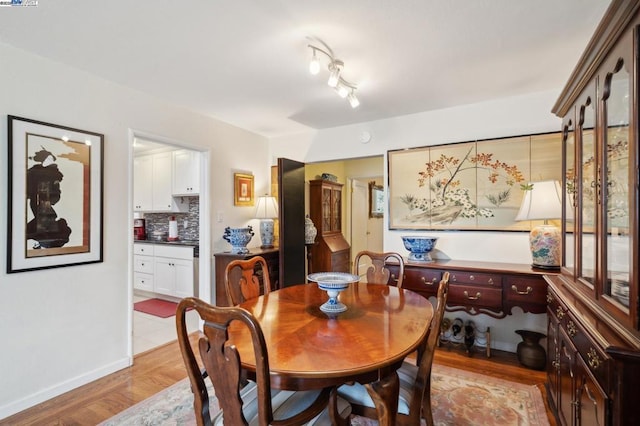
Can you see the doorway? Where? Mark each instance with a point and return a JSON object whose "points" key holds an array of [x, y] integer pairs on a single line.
{"points": [[193, 217], [366, 231]]}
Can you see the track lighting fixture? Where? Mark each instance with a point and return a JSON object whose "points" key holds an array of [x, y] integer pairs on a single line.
{"points": [[335, 67]]}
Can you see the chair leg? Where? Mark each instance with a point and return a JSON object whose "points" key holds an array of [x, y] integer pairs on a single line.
{"points": [[427, 414], [384, 393], [334, 414]]}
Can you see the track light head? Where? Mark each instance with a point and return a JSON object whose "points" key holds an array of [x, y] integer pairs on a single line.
{"points": [[314, 65], [343, 90], [335, 68], [353, 100]]}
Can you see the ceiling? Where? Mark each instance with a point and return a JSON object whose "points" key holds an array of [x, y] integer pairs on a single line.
{"points": [[246, 61]]}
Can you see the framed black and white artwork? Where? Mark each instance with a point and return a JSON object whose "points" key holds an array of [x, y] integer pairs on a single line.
{"points": [[55, 196]]}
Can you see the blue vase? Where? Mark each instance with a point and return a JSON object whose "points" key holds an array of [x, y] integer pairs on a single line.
{"points": [[238, 238]]}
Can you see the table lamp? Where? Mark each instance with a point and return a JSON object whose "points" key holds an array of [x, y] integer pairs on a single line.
{"points": [[543, 201], [266, 211]]}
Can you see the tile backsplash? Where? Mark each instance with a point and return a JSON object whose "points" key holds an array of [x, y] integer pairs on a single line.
{"points": [[160, 221]]}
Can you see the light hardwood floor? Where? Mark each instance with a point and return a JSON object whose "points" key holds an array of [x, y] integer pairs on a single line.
{"points": [[159, 368]]}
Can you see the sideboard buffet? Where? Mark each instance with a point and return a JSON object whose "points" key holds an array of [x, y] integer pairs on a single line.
{"points": [[489, 288], [593, 340]]}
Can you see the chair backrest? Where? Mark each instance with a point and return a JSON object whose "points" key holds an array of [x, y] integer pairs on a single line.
{"points": [[222, 364], [242, 279], [378, 273], [419, 406]]}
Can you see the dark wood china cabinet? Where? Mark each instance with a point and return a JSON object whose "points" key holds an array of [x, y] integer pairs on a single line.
{"points": [[331, 251], [593, 329]]}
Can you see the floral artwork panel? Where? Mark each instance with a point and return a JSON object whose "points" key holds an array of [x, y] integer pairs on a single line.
{"points": [[475, 185], [505, 167]]}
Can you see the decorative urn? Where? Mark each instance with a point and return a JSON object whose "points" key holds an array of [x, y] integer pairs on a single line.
{"points": [[238, 238], [310, 231], [419, 247]]}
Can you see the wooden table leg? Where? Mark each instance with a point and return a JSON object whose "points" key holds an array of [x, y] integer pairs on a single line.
{"points": [[384, 393]]}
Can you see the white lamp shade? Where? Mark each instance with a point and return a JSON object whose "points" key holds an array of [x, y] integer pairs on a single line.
{"points": [[542, 201], [267, 208]]}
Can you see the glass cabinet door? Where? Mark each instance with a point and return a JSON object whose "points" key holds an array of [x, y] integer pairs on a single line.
{"points": [[326, 209], [588, 190], [570, 201], [615, 185], [336, 209]]}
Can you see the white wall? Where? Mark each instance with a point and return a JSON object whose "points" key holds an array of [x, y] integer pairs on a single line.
{"points": [[498, 118], [63, 327]]}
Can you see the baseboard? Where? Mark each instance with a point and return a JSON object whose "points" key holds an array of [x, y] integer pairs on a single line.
{"points": [[56, 390]]}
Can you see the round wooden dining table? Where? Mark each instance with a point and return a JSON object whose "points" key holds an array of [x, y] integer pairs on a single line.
{"points": [[309, 349]]}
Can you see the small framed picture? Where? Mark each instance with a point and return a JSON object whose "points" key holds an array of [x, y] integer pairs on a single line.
{"points": [[243, 189], [55, 196], [376, 200]]}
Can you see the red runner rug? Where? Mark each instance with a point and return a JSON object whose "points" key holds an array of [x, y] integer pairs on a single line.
{"points": [[156, 307]]}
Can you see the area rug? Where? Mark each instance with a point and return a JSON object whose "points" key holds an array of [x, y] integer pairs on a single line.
{"points": [[459, 398], [156, 307]]}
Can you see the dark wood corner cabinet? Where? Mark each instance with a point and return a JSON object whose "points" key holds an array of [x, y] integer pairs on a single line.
{"points": [[593, 331], [331, 252], [222, 259]]}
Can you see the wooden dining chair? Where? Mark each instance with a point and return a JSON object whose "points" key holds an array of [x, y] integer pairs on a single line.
{"points": [[253, 403], [414, 400], [378, 272], [242, 279]]}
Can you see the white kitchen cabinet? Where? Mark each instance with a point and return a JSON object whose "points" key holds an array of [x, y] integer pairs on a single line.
{"points": [[143, 265], [142, 183], [153, 184], [186, 172], [173, 270], [162, 182], [163, 269]]}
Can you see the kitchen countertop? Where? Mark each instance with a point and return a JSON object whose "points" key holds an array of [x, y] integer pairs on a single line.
{"points": [[193, 243]]}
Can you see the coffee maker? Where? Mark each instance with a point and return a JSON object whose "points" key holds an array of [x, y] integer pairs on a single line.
{"points": [[139, 229]]}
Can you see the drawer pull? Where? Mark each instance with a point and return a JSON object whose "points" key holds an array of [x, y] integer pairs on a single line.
{"points": [[555, 364], [490, 281], [453, 278], [393, 278], [549, 298], [425, 282], [593, 359], [524, 293], [476, 297], [559, 313], [471, 277], [571, 329]]}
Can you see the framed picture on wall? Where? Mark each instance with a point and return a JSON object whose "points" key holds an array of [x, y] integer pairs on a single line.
{"points": [[55, 189], [475, 185], [243, 189], [376, 200]]}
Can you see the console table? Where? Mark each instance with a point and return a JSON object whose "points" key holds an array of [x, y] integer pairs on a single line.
{"points": [[487, 288]]}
